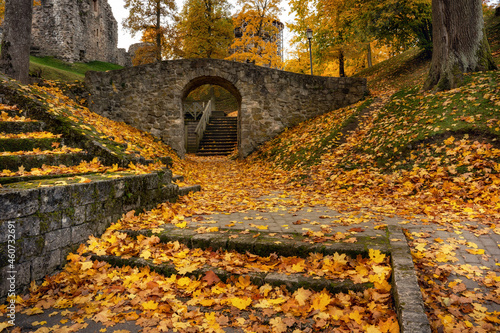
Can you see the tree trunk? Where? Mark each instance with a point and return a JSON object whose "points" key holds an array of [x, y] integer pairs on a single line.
{"points": [[341, 64], [15, 57], [459, 43], [369, 55], [158, 31]]}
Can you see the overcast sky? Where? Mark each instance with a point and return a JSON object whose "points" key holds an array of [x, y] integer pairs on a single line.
{"points": [[125, 39]]}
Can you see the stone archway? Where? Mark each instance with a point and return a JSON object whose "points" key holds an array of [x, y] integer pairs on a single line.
{"points": [[191, 86], [149, 97]]}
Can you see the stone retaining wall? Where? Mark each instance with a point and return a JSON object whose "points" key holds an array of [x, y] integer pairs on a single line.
{"points": [[150, 97], [40, 226]]}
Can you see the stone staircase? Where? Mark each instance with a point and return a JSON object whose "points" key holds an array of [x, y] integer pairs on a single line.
{"points": [[55, 191], [245, 248], [221, 136], [191, 136], [24, 145]]}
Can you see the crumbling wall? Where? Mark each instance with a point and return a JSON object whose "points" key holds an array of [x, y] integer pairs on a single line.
{"points": [[75, 31]]}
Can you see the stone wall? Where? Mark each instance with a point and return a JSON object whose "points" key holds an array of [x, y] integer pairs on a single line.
{"points": [[40, 226], [83, 30], [150, 97]]}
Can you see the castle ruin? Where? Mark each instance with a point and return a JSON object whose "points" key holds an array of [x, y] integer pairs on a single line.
{"points": [[76, 31]]}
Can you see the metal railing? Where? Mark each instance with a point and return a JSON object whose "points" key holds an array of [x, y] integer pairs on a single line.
{"points": [[202, 125]]}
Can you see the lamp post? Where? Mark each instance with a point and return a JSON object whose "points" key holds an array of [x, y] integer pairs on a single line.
{"points": [[309, 34]]}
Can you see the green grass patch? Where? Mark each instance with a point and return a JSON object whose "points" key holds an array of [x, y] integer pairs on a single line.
{"points": [[50, 68]]}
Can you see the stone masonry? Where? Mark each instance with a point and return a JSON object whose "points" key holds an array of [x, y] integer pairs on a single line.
{"points": [[39, 226], [82, 30], [150, 97]]}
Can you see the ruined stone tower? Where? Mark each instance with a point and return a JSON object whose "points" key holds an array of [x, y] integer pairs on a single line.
{"points": [[75, 30]]}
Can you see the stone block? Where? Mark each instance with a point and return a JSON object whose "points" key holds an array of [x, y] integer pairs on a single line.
{"points": [[152, 181], [50, 221], [95, 211], [103, 190], [54, 198], [82, 194], [45, 265], [19, 203], [78, 215], [119, 188], [57, 239], [113, 207], [28, 226], [31, 247], [80, 233]]}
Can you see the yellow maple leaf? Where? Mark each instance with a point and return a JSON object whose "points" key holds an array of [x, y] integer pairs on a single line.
{"points": [[339, 258], [33, 311], [475, 251], [376, 256], [321, 301], [240, 303], [278, 325], [372, 329], [243, 281], [87, 265], [356, 316], [145, 254], [299, 267], [187, 268], [302, 295], [184, 282], [181, 225], [150, 305]]}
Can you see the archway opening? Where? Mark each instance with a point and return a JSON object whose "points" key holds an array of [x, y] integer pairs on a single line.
{"points": [[220, 135]]}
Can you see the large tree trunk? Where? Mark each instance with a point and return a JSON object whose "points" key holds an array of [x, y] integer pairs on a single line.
{"points": [[459, 43], [158, 31], [15, 57], [341, 63], [369, 55]]}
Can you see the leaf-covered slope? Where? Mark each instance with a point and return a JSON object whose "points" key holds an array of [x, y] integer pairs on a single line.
{"points": [[434, 147]]}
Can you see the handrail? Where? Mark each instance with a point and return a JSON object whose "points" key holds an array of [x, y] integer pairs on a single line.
{"points": [[194, 108], [202, 125]]}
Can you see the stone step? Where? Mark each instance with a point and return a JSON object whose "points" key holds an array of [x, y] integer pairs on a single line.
{"points": [[218, 146], [13, 162], [214, 148], [185, 190], [262, 245], [216, 114], [406, 293], [12, 111], [221, 128], [18, 144], [220, 132], [213, 135], [291, 281], [20, 126], [210, 153]]}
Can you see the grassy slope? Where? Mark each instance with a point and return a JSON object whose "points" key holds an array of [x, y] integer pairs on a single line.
{"points": [[409, 121], [50, 68]]}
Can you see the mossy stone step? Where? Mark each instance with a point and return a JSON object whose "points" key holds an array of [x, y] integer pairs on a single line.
{"points": [[18, 144], [276, 279], [263, 244], [15, 112], [21, 127], [13, 162], [26, 179]]}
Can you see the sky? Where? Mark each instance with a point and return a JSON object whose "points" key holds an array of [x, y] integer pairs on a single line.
{"points": [[125, 39]]}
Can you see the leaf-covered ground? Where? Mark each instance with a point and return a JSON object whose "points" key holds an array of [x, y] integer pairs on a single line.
{"points": [[430, 158]]}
